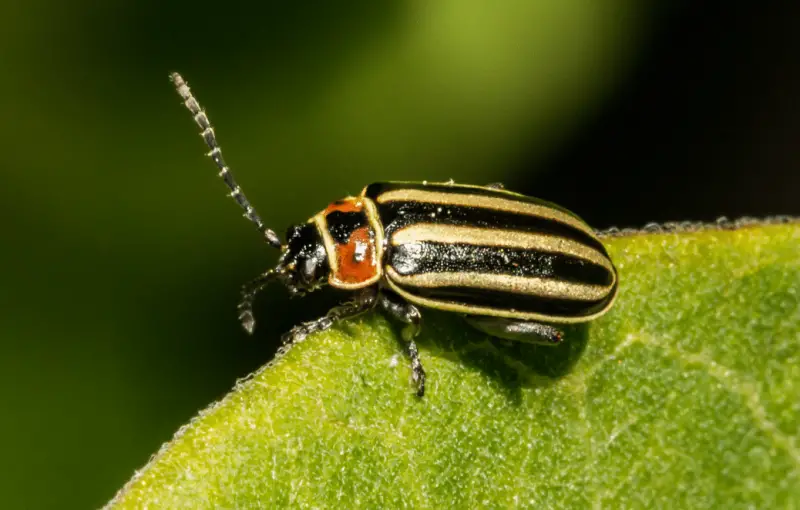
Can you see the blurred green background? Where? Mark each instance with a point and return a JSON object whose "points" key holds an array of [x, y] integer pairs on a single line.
{"points": [[122, 257]]}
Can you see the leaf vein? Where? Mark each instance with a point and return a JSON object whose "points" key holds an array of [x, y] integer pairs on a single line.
{"points": [[734, 383]]}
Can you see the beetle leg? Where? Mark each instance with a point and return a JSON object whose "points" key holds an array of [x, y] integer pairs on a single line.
{"points": [[249, 291], [363, 302], [409, 314], [514, 329], [496, 185]]}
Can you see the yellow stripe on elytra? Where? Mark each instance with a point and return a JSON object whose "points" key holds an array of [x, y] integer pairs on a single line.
{"points": [[509, 313], [451, 234], [485, 202], [522, 285]]}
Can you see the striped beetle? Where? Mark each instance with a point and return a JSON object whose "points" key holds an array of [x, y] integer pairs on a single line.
{"points": [[509, 263]]}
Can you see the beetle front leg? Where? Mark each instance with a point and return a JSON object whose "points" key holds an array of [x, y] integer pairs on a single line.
{"points": [[409, 314], [249, 291], [363, 302]]}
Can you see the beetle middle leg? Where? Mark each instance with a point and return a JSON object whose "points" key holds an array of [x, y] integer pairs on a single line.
{"points": [[409, 314], [363, 302], [515, 329]]}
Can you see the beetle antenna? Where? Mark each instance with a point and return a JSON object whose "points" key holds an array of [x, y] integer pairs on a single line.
{"points": [[207, 133]]}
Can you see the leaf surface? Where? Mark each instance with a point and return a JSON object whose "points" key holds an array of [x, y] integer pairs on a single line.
{"points": [[685, 395]]}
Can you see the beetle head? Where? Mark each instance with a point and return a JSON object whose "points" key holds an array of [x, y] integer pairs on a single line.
{"points": [[304, 262]]}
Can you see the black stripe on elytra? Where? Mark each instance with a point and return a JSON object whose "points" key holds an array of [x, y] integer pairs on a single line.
{"points": [[431, 257], [341, 224], [508, 300], [396, 215]]}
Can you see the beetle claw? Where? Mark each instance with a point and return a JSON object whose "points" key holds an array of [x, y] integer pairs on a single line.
{"points": [[248, 322]]}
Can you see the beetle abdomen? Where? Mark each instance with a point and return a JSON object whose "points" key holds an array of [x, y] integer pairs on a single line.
{"points": [[491, 252]]}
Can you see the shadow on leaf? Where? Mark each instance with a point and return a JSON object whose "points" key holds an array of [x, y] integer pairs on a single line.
{"points": [[512, 365]]}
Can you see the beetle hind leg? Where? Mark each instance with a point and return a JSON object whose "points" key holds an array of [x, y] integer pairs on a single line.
{"points": [[408, 314], [517, 330]]}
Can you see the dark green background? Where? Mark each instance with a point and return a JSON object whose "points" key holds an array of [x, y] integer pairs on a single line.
{"points": [[122, 258]]}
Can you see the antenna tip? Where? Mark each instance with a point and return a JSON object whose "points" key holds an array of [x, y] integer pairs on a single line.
{"points": [[180, 85]]}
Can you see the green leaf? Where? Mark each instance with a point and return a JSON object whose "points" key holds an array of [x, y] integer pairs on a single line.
{"points": [[686, 395]]}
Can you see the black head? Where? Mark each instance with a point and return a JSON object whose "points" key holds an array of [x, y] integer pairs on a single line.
{"points": [[304, 262]]}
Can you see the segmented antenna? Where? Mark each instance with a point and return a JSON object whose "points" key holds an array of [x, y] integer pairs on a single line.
{"points": [[207, 133]]}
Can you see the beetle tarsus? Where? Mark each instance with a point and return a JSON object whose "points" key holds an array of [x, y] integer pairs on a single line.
{"points": [[249, 291], [248, 321], [417, 372], [517, 330], [409, 314]]}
